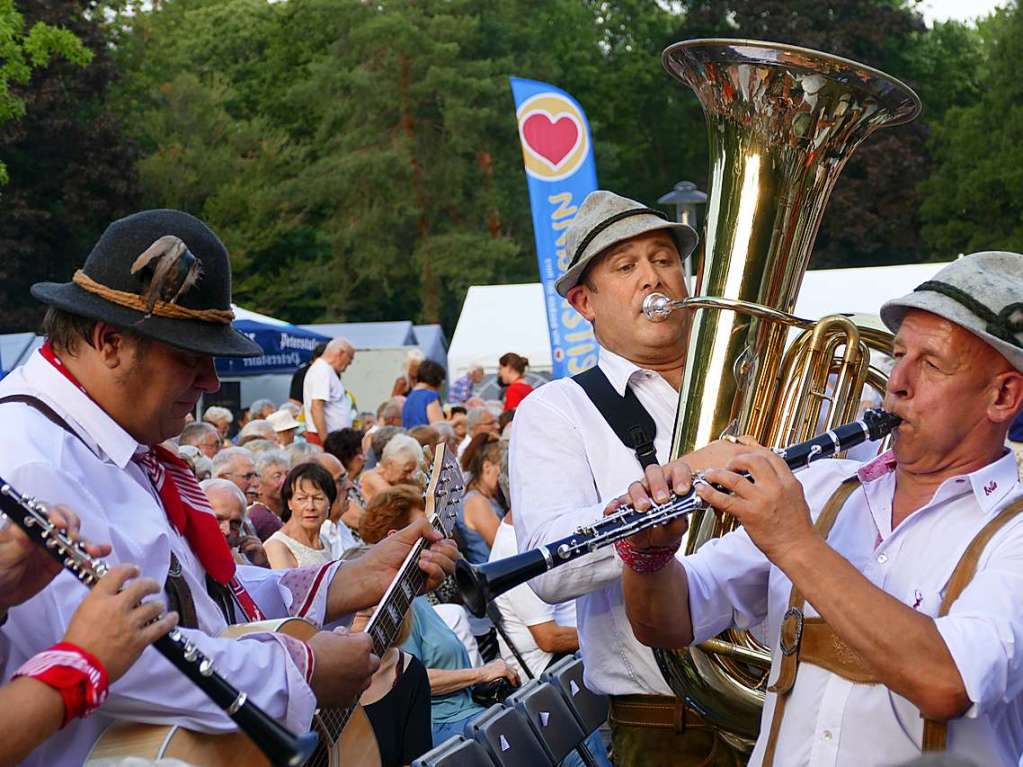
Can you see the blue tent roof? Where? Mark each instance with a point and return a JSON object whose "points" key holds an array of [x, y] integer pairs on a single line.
{"points": [[285, 346]]}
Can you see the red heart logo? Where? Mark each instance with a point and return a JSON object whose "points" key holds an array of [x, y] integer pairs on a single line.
{"points": [[551, 139]]}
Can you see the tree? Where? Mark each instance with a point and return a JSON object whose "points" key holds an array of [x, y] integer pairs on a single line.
{"points": [[974, 199], [21, 52], [872, 215], [71, 170]]}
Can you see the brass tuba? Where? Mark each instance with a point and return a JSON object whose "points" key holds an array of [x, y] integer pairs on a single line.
{"points": [[782, 122]]}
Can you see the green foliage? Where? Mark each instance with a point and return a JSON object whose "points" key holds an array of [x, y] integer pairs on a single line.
{"points": [[361, 159], [21, 52], [974, 197], [71, 169]]}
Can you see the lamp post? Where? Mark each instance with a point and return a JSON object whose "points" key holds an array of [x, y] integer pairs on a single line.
{"points": [[684, 198]]}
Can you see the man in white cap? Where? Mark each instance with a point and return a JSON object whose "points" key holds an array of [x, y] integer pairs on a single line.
{"points": [[567, 461], [284, 425], [892, 590]]}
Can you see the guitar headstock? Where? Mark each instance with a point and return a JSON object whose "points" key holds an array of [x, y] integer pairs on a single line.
{"points": [[445, 491]]}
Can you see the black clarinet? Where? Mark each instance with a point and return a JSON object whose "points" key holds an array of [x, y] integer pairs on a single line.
{"points": [[281, 747], [480, 584]]}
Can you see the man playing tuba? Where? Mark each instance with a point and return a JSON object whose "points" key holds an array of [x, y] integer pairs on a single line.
{"points": [[621, 252], [892, 590]]}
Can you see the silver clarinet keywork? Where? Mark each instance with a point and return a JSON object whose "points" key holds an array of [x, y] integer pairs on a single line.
{"points": [[281, 747], [481, 584]]}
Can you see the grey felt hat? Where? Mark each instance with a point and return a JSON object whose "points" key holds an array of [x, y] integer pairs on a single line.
{"points": [[982, 293], [163, 274], [605, 219]]}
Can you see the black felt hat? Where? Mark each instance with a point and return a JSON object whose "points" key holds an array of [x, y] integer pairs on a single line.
{"points": [[163, 274]]}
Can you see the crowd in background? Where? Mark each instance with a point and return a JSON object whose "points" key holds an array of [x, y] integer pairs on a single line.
{"points": [[314, 479]]}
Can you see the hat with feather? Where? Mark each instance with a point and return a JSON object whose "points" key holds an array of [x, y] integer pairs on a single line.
{"points": [[162, 274]]}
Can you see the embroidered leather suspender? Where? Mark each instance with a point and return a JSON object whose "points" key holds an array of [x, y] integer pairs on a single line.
{"points": [[811, 640]]}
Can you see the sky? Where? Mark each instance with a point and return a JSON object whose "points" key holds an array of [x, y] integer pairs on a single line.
{"points": [[961, 10]]}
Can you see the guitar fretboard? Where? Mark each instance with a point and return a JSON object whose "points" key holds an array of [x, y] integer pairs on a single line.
{"points": [[385, 623]]}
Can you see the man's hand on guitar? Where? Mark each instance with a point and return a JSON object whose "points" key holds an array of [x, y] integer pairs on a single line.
{"points": [[25, 568], [114, 624], [345, 664]]}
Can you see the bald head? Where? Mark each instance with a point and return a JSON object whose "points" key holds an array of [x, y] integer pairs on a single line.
{"points": [[330, 462], [228, 503]]}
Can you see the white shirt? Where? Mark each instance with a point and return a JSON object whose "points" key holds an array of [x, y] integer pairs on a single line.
{"points": [[521, 608], [831, 721], [322, 382], [117, 504], [566, 464], [337, 537]]}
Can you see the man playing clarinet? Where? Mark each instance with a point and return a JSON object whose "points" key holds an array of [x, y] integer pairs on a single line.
{"points": [[893, 590]]}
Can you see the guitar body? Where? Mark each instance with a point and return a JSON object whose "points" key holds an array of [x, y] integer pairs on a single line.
{"points": [[354, 746]]}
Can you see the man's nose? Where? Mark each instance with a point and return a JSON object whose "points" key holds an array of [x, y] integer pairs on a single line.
{"points": [[207, 379], [649, 275], [899, 385]]}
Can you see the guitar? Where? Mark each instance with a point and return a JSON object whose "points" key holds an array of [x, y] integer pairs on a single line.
{"points": [[346, 735]]}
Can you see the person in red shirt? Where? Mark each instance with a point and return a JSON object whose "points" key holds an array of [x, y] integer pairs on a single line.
{"points": [[512, 373]]}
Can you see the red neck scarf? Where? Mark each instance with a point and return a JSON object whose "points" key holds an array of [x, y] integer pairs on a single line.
{"points": [[186, 506]]}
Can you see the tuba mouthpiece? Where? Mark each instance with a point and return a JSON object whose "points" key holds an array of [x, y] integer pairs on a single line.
{"points": [[657, 307]]}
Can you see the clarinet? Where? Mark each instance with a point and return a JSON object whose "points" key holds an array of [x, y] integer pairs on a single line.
{"points": [[281, 747], [480, 584]]}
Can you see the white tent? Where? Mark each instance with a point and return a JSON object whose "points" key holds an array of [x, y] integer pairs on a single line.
{"points": [[500, 318], [496, 319]]}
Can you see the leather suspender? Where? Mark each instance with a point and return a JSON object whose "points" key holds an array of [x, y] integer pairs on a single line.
{"points": [[811, 640], [626, 416]]}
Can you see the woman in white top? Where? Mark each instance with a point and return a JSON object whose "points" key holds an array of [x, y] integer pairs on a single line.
{"points": [[308, 493]]}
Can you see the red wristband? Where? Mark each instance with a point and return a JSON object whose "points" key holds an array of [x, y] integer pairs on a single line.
{"points": [[644, 560], [77, 675]]}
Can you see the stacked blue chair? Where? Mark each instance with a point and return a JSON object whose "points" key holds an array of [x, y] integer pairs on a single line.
{"points": [[508, 738], [455, 752], [553, 723], [590, 709]]}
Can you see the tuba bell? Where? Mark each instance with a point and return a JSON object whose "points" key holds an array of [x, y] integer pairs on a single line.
{"points": [[782, 123]]}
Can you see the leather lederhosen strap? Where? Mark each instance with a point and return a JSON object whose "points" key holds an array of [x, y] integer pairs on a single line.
{"points": [[659, 711], [812, 640]]}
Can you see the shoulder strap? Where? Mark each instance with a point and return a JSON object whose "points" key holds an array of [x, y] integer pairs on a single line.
{"points": [[626, 416], [179, 596], [48, 412], [936, 733]]}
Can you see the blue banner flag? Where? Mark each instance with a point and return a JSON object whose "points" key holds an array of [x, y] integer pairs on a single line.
{"points": [[558, 154]]}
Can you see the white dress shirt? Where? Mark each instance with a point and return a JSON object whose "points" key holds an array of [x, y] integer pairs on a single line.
{"points": [[566, 464], [322, 382], [96, 477], [521, 608], [831, 721]]}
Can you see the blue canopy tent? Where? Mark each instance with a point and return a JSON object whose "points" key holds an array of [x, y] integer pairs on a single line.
{"points": [[285, 346]]}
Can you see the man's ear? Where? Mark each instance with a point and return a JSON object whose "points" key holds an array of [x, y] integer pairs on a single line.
{"points": [[112, 345], [579, 298], [1009, 397]]}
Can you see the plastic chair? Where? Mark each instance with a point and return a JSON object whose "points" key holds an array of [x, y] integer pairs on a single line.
{"points": [[455, 752], [590, 709], [508, 738], [549, 716]]}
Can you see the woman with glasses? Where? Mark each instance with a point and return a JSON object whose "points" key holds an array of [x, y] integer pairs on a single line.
{"points": [[308, 493]]}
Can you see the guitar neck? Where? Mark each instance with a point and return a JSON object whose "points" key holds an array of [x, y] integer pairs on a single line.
{"points": [[385, 623]]}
